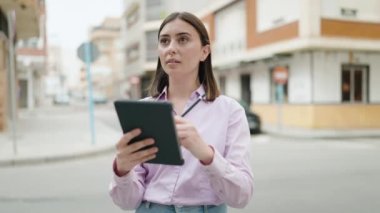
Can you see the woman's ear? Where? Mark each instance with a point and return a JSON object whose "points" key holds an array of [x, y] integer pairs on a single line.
{"points": [[205, 52]]}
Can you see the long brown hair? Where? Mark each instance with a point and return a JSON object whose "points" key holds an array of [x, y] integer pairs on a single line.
{"points": [[205, 73]]}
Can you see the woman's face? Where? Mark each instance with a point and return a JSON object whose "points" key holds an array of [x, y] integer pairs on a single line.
{"points": [[180, 49]]}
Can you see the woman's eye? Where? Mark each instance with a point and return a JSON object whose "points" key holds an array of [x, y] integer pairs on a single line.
{"points": [[183, 40], [164, 41]]}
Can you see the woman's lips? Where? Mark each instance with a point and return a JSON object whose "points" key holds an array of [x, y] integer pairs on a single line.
{"points": [[172, 61]]}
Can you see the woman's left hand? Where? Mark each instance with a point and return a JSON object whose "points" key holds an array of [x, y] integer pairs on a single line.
{"points": [[191, 140]]}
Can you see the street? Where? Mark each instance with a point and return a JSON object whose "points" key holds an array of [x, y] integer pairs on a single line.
{"points": [[306, 74], [316, 175], [291, 175]]}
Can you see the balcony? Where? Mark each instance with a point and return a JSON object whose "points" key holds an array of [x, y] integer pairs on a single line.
{"points": [[27, 16]]}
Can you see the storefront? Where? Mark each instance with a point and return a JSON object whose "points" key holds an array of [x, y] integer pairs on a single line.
{"points": [[325, 89]]}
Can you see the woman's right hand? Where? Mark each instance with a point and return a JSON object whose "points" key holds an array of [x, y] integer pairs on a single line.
{"points": [[128, 155]]}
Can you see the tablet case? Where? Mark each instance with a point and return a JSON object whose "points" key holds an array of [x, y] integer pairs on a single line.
{"points": [[156, 121]]}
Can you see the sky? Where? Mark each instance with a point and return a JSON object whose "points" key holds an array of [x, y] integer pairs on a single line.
{"points": [[68, 24], [68, 21]]}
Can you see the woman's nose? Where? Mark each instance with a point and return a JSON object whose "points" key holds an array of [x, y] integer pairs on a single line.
{"points": [[172, 48]]}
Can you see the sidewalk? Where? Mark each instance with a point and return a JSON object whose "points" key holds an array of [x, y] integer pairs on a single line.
{"points": [[52, 134], [55, 133], [321, 133]]}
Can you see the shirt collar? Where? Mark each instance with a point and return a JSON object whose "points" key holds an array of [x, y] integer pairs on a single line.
{"points": [[163, 96], [200, 92]]}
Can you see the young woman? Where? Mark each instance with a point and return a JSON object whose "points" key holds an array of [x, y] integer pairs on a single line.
{"points": [[214, 134]]}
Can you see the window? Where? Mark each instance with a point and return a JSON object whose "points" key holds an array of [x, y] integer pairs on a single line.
{"points": [[132, 15], [246, 88], [354, 83], [230, 40], [151, 45], [346, 12], [154, 10], [222, 84], [133, 53], [146, 82], [153, 3], [279, 94], [3, 23]]}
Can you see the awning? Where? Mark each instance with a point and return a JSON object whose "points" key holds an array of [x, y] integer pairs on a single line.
{"points": [[27, 16]]}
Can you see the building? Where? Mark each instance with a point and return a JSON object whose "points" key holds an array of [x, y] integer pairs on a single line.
{"points": [[106, 70], [140, 23], [26, 14], [32, 65], [55, 79], [306, 63]]}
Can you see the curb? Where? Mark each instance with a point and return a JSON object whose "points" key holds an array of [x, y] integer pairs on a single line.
{"points": [[29, 161], [309, 134]]}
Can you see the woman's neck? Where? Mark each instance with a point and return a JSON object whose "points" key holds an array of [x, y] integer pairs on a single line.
{"points": [[182, 89]]}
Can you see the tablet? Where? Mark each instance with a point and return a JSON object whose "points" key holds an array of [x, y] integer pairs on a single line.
{"points": [[156, 121]]}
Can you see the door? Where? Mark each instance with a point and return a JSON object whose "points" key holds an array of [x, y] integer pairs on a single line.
{"points": [[245, 80], [354, 83]]}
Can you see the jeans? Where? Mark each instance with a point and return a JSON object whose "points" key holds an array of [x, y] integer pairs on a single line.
{"points": [[148, 207]]}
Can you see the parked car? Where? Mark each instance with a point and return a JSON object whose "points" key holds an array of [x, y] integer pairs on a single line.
{"points": [[61, 99], [99, 98], [254, 121]]}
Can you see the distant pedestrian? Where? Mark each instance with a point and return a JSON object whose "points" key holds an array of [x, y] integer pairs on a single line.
{"points": [[214, 135]]}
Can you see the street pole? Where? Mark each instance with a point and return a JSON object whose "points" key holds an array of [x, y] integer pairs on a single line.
{"points": [[87, 53], [12, 78], [280, 101]]}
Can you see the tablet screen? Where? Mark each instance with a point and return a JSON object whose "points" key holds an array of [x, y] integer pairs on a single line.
{"points": [[155, 119]]}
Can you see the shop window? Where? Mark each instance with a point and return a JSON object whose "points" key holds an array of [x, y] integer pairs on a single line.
{"points": [[354, 83]]}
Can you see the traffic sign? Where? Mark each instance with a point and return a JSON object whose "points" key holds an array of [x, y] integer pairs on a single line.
{"points": [[280, 75], [88, 53], [92, 50]]}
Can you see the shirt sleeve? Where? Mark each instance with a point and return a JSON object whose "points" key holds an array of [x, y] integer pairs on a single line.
{"points": [[127, 191], [230, 174]]}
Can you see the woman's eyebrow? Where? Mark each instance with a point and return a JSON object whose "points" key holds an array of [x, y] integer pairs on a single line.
{"points": [[183, 33], [177, 35], [164, 35]]}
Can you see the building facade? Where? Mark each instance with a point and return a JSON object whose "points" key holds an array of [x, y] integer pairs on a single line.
{"points": [[140, 23], [107, 75], [55, 79], [26, 15], [306, 63], [32, 64]]}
